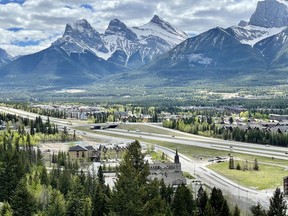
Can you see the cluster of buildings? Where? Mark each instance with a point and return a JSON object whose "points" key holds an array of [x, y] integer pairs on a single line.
{"points": [[73, 111], [277, 124], [97, 152], [170, 172]]}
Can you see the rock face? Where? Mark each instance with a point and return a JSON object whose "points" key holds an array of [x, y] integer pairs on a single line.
{"points": [[275, 49], [270, 13], [4, 57], [215, 51]]}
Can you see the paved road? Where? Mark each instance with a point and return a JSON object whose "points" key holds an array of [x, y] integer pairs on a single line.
{"points": [[245, 196]]}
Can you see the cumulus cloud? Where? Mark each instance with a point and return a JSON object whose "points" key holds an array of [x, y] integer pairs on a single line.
{"points": [[42, 21]]}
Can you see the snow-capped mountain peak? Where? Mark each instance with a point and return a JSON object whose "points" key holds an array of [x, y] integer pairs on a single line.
{"points": [[116, 27]]}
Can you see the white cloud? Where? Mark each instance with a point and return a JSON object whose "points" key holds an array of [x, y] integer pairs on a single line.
{"points": [[44, 20]]}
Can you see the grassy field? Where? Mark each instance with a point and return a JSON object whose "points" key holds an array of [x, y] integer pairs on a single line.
{"points": [[267, 176], [196, 152], [260, 180], [150, 129]]}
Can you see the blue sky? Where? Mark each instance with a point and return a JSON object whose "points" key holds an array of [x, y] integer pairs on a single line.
{"points": [[32, 25]]}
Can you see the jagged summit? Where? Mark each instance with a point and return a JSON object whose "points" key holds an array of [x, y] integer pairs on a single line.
{"points": [[270, 13], [116, 27], [80, 36], [158, 24], [4, 57]]}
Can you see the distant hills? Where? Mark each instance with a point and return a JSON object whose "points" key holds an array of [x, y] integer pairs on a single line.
{"points": [[156, 51]]}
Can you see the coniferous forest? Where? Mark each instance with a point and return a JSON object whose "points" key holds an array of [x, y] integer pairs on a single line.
{"points": [[27, 187]]}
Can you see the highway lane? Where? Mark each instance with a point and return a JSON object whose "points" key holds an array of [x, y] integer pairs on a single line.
{"points": [[204, 174], [219, 145], [242, 196]]}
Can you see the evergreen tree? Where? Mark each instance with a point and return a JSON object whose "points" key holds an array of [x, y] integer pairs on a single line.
{"points": [[231, 162], [183, 203], [76, 200], [44, 176], [201, 201], [256, 166], [216, 201], [224, 209], [11, 170], [100, 201], [130, 195], [100, 176], [23, 202], [56, 206], [209, 211], [278, 206], [257, 210], [236, 211]]}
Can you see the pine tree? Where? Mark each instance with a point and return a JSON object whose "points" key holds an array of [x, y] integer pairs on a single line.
{"points": [[100, 176], [236, 211], [130, 194], [278, 205], [56, 206], [256, 166], [257, 210], [216, 201], [23, 202], [76, 200], [209, 211], [183, 203], [224, 209], [201, 201]]}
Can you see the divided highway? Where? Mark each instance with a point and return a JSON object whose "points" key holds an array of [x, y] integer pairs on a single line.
{"points": [[244, 196]]}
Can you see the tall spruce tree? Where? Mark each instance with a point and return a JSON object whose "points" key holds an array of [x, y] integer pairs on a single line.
{"points": [[257, 210], [278, 206], [23, 202], [201, 201], [56, 206], [76, 200], [130, 195], [183, 203]]}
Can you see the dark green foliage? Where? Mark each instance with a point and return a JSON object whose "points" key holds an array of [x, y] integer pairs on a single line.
{"points": [[257, 210], [76, 200], [56, 206], [256, 166], [231, 163], [278, 205], [236, 211], [131, 194], [11, 170], [166, 192], [23, 202], [100, 176], [224, 209], [217, 202], [201, 201], [183, 203]]}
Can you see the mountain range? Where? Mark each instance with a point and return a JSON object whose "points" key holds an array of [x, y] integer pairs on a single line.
{"points": [[83, 56]]}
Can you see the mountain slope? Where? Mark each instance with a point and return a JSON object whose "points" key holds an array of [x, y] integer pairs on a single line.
{"points": [[275, 49], [4, 57], [215, 52], [53, 66]]}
